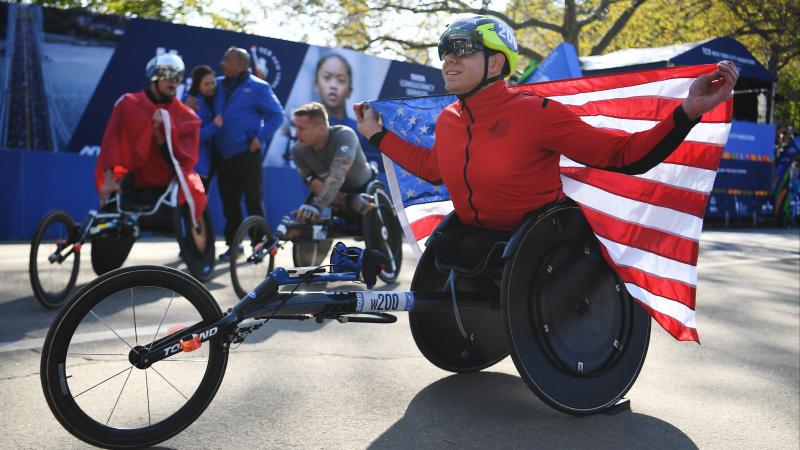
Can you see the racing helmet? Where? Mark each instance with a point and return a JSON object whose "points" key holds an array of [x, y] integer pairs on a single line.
{"points": [[165, 66], [472, 34]]}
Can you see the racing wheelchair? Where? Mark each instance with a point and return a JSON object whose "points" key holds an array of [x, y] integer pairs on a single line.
{"points": [[55, 253], [545, 296], [254, 245]]}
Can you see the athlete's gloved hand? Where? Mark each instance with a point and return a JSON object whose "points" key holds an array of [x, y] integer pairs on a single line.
{"points": [[361, 203], [308, 213]]}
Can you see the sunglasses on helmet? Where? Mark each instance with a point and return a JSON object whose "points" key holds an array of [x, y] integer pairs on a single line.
{"points": [[169, 75], [460, 44]]}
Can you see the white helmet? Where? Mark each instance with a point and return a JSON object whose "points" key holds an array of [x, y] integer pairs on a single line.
{"points": [[165, 66]]}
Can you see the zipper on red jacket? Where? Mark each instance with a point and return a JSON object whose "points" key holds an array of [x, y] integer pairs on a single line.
{"points": [[466, 163]]}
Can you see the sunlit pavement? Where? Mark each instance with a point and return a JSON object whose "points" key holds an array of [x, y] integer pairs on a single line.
{"points": [[348, 386]]}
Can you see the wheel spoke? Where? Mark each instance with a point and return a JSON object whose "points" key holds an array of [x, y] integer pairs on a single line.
{"points": [[168, 382], [111, 329], [98, 384], [120, 395], [135, 331], [162, 319], [147, 393]]}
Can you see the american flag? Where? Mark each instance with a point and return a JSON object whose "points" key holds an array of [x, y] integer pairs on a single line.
{"points": [[648, 225]]}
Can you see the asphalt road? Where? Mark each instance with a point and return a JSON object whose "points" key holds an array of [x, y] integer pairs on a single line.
{"points": [[304, 385]]}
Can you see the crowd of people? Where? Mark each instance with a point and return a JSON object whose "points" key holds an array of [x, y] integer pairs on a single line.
{"points": [[221, 129]]}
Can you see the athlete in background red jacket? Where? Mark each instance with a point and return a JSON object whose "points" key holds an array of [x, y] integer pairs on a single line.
{"points": [[135, 141], [497, 149]]}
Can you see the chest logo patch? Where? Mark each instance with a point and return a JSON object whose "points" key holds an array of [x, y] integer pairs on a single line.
{"points": [[344, 148], [499, 128]]}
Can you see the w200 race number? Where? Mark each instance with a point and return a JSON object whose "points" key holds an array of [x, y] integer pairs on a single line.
{"points": [[384, 301]]}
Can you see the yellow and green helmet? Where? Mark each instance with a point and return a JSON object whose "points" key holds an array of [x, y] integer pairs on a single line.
{"points": [[477, 33]]}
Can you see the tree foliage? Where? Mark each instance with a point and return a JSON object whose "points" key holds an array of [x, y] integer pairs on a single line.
{"points": [[167, 11], [769, 28]]}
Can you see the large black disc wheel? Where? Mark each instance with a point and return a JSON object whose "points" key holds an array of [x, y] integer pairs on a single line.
{"points": [[382, 232], [54, 260], [197, 245], [437, 333], [88, 377], [310, 254], [257, 259], [577, 338]]}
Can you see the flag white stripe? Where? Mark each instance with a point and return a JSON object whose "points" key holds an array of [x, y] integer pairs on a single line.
{"points": [[676, 310], [645, 214], [686, 177], [416, 212], [708, 133], [660, 266], [674, 88], [397, 202], [676, 175]]}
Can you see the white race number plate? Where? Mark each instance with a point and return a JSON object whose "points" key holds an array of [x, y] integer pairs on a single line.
{"points": [[384, 301]]}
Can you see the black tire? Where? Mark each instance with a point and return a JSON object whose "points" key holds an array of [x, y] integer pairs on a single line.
{"points": [[110, 251], [310, 254], [199, 259], [56, 233], [576, 337], [94, 319], [256, 262], [437, 335], [382, 232]]}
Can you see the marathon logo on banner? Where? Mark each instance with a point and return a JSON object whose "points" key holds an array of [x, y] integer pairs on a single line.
{"points": [[266, 65]]}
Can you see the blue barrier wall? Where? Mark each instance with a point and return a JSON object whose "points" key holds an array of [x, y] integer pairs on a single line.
{"points": [[33, 183]]}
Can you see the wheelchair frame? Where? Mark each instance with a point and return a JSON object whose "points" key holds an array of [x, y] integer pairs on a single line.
{"points": [[97, 223], [545, 336]]}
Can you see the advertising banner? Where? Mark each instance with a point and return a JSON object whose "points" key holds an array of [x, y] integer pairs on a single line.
{"points": [[746, 173], [62, 71]]}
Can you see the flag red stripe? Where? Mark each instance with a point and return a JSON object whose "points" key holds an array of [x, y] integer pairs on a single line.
{"points": [[617, 80], [653, 192], [678, 330], [644, 108], [647, 239], [696, 154], [423, 227], [662, 287]]}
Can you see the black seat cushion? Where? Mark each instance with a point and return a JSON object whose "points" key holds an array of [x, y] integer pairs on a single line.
{"points": [[464, 248]]}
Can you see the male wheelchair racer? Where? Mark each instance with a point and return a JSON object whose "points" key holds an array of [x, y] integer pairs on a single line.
{"points": [[56, 246], [545, 296], [254, 245]]}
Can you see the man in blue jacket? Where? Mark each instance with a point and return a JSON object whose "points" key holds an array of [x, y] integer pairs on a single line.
{"points": [[251, 114]]}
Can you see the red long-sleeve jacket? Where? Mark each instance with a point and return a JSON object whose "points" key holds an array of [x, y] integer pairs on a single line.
{"points": [[498, 152]]}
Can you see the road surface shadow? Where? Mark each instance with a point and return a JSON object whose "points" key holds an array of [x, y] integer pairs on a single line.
{"points": [[495, 410]]}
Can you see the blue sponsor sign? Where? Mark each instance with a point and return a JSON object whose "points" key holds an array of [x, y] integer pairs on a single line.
{"points": [[747, 139]]}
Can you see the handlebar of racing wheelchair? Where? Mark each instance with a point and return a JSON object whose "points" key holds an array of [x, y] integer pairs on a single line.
{"points": [[265, 301]]}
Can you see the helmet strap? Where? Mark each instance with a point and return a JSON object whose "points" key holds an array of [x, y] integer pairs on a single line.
{"points": [[484, 81], [165, 98]]}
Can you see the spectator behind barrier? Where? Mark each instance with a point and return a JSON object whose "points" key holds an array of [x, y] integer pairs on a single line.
{"points": [[200, 98], [251, 114]]}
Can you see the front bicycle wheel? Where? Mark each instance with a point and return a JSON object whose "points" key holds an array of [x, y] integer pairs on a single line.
{"points": [[254, 238], [52, 274], [88, 379]]}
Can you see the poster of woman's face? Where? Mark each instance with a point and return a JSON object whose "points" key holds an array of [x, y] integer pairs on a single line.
{"points": [[337, 78]]}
